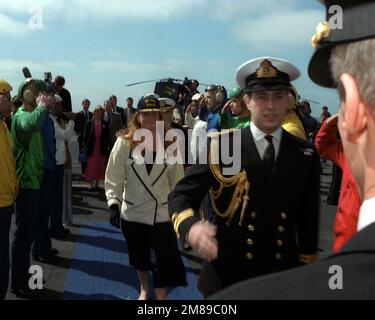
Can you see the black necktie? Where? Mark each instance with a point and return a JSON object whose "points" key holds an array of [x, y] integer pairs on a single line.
{"points": [[269, 154]]}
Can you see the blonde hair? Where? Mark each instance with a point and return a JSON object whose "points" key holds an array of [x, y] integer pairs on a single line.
{"points": [[128, 134]]}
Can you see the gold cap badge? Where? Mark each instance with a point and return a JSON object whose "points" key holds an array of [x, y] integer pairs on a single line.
{"points": [[322, 32], [266, 70]]}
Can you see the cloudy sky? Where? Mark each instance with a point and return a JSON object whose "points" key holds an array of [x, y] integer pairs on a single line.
{"points": [[100, 46]]}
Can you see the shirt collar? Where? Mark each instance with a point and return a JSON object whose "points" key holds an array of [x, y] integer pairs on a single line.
{"points": [[259, 135], [366, 214]]}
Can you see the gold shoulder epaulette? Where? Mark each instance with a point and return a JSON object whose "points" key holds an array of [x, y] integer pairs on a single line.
{"points": [[239, 181]]}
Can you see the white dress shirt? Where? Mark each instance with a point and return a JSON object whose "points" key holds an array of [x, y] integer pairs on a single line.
{"points": [[62, 135], [261, 142], [199, 140], [366, 214]]}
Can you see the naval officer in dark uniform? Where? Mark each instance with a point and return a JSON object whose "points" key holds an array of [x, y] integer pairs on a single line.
{"points": [[266, 215], [344, 59]]}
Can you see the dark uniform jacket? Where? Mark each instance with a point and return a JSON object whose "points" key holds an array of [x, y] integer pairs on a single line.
{"points": [[280, 225], [356, 260]]}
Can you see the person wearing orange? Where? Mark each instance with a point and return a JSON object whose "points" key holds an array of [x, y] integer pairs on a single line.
{"points": [[8, 185], [330, 147]]}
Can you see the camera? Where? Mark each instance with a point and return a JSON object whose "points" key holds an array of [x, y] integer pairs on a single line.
{"points": [[48, 77]]}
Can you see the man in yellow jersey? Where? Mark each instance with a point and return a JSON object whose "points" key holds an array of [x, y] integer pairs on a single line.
{"points": [[8, 185]]}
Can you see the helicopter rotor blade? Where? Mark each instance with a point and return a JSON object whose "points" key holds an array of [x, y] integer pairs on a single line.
{"points": [[204, 84], [309, 100], [142, 82], [157, 80]]}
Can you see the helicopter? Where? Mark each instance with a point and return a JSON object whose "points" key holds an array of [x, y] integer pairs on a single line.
{"points": [[169, 87], [173, 88]]}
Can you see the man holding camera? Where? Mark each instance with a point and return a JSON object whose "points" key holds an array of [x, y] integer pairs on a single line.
{"points": [[27, 137], [59, 84]]}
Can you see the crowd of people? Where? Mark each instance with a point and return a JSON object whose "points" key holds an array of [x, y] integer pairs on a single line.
{"points": [[261, 220], [42, 125]]}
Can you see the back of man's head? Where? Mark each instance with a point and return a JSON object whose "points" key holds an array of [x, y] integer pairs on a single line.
{"points": [[357, 59]]}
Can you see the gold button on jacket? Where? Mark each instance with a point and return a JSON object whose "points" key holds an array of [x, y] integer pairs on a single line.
{"points": [[249, 256]]}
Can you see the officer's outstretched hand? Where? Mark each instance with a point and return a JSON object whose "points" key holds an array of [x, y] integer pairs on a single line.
{"points": [[202, 238], [114, 216]]}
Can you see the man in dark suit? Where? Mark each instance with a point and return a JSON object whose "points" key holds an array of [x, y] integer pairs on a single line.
{"points": [[80, 122], [129, 111], [116, 108], [343, 60], [58, 85], [266, 213], [114, 122]]}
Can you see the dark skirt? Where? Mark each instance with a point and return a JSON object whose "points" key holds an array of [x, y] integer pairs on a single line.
{"points": [[154, 248]]}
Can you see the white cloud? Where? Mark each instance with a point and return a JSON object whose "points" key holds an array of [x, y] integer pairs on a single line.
{"points": [[146, 9], [24, 6], [175, 67], [130, 9], [15, 15], [37, 68], [109, 66], [243, 9], [280, 31], [246, 15], [59, 65], [12, 27], [17, 65], [110, 9]]}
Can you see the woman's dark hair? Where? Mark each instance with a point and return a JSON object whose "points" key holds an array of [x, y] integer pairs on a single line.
{"points": [[60, 81]]}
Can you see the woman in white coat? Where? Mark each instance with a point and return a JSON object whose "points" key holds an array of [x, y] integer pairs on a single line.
{"points": [[138, 193]]}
